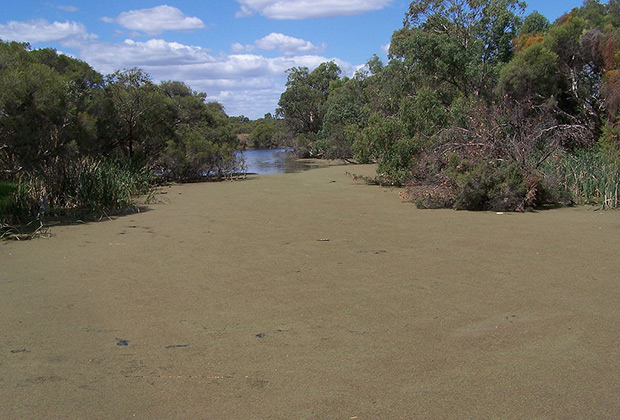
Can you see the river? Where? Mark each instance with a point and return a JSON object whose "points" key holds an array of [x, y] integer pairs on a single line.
{"points": [[273, 161]]}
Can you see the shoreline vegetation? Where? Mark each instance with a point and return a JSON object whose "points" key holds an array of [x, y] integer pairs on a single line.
{"points": [[480, 107]]}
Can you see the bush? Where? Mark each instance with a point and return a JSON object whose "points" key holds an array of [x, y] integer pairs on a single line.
{"points": [[194, 156]]}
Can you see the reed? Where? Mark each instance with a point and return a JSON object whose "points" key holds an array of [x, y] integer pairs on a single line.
{"points": [[592, 178], [74, 187]]}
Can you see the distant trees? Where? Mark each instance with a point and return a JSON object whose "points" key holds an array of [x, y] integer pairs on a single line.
{"points": [[479, 107], [302, 105], [268, 133]]}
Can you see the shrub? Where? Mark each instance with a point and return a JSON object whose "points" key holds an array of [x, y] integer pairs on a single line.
{"points": [[194, 156]]}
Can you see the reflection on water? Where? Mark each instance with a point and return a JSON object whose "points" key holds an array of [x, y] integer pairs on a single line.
{"points": [[273, 161]]}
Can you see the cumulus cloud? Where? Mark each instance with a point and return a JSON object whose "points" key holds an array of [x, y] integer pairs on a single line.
{"points": [[285, 44], [248, 84], [156, 20], [154, 53], [33, 31], [240, 48], [288, 45], [304, 9]]}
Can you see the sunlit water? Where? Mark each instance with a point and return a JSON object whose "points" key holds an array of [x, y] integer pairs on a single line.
{"points": [[272, 161]]}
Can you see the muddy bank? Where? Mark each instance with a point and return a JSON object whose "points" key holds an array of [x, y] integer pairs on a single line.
{"points": [[313, 296]]}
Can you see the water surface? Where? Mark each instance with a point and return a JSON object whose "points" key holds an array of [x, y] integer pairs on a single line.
{"points": [[273, 161]]}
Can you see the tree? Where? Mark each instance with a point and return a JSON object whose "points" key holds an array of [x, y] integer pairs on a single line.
{"points": [[303, 103], [534, 23], [533, 75], [343, 120], [268, 133], [44, 103], [134, 116], [457, 43], [202, 141]]}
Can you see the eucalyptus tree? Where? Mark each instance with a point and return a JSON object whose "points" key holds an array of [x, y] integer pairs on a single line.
{"points": [[303, 102], [455, 46]]}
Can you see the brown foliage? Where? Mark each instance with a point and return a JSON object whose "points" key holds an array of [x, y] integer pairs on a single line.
{"points": [[525, 41], [611, 93], [608, 49]]}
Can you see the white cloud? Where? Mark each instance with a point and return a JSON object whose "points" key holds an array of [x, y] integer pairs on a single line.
{"points": [[240, 48], [156, 20], [33, 31], [285, 44], [154, 53], [304, 9], [288, 45], [248, 84]]}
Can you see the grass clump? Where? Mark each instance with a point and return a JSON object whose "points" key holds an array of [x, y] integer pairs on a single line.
{"points": [[72, 188]]}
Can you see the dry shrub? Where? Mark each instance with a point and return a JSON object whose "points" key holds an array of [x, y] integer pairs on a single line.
{"points": [[495, 162]]}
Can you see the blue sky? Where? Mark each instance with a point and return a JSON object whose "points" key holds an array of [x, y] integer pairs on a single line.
{"points": [[237, 51]]}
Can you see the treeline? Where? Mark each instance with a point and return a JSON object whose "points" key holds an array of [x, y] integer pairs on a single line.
{"points": [[73, 139], [478, 107], [268, 132]]}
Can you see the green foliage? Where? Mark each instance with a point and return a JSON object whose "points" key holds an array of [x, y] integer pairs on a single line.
{"points": [[423, 114], [457, 44], [490, 185], [534, 23], [42, 109], [343, 120], [194, 156], [393, 150], [303, 104], [268, 133], [136, 115], [61, 123], [532, 74]]}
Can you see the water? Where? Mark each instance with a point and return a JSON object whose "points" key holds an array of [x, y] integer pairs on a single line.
{"points": [[273, 161]]}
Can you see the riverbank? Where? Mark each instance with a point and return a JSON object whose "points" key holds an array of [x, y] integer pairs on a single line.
{"points": [[312, 295]]}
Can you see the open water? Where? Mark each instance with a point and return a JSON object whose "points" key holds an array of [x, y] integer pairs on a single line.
{"points": [[272, 161]]}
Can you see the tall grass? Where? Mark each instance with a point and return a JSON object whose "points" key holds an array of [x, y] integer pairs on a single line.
{"points": [[592, 178], [75, 187]]}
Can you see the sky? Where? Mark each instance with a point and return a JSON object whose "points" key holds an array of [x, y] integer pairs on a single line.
{"points": [[236, 51]]}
